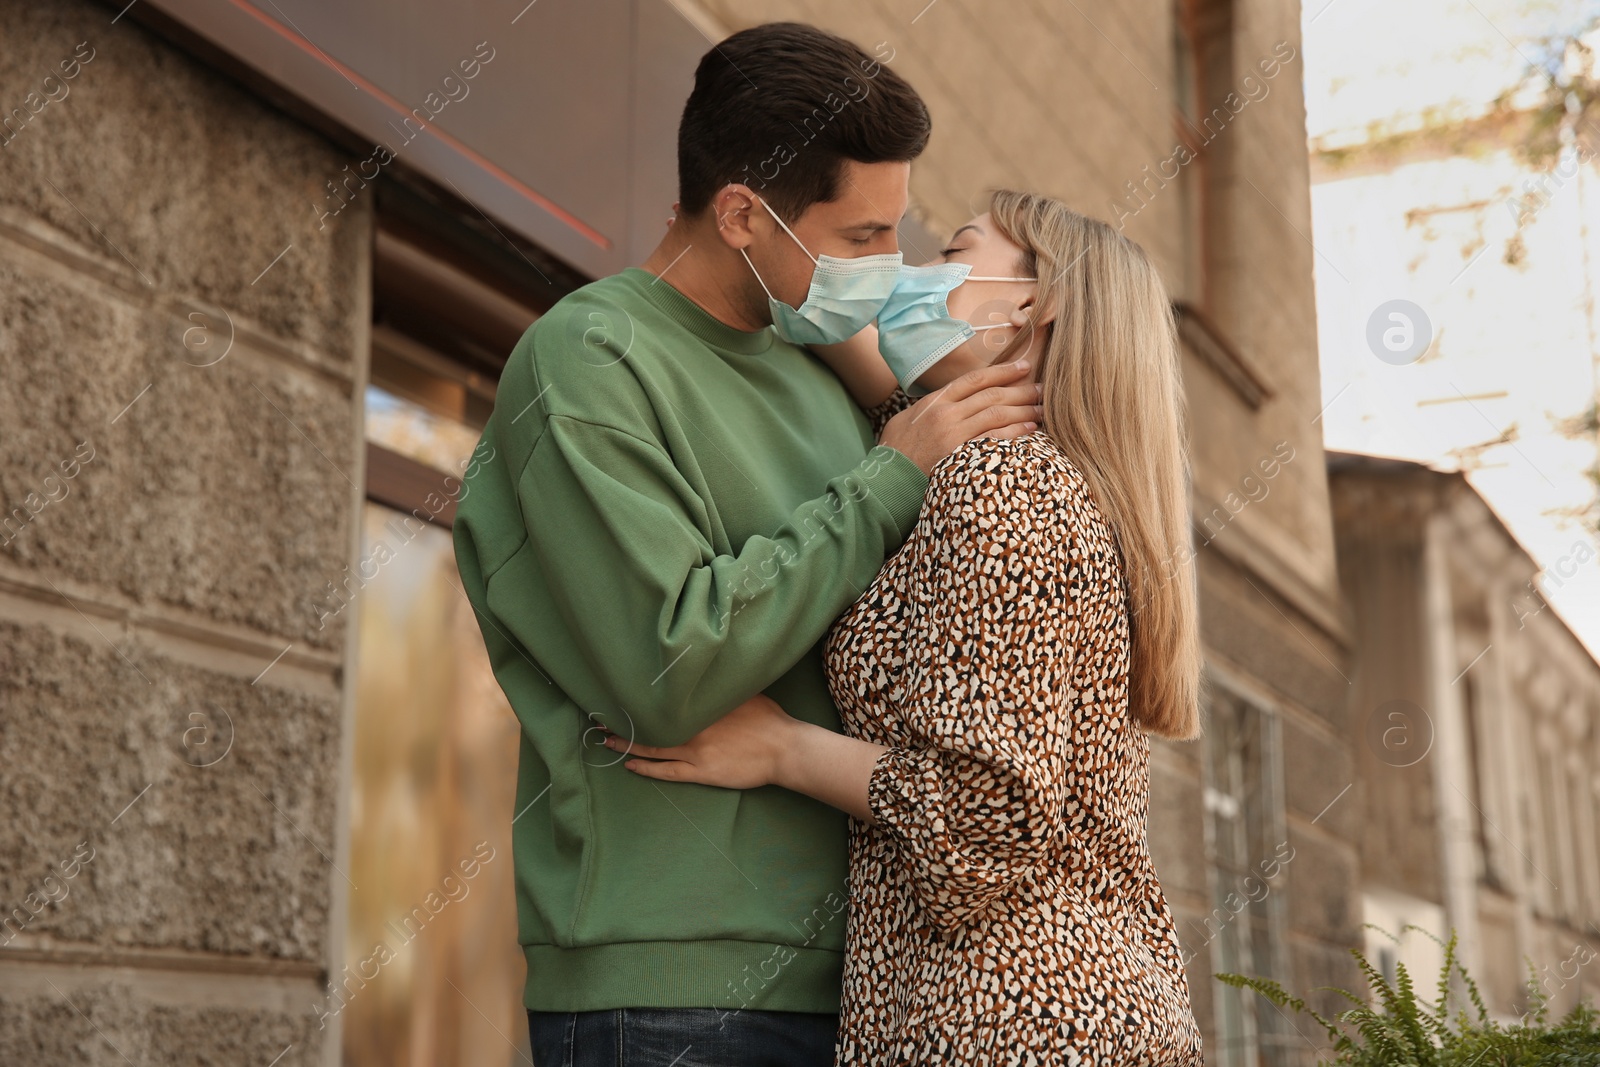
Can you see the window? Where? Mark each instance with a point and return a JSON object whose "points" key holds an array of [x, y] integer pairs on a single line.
{"points": [[1581, 835], [434, 972], [1588, 801], [1551, 822], [1202, 70], [1560, 826], [1487, 850], [1203, 77], [1189, 287], [1247, 849]]}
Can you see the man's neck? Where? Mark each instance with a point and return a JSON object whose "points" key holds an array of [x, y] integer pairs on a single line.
{"points": [[696, 265]]}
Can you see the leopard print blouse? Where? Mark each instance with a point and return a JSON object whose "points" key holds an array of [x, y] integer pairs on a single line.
{"points": [[1004, 908]]}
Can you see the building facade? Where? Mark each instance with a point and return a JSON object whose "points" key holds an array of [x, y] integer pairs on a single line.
{"points": [[262, 266], [1479, 714]]}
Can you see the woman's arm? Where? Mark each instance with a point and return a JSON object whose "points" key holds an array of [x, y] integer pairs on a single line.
{"points": [[758, 744], [861, 368], [978, 800], [858, 365], [829, 767]]}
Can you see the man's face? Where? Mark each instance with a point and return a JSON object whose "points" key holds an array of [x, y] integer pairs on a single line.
{"points": [[861, 222]]}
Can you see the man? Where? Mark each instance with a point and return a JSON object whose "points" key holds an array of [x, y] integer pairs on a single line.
{"points": [[678, 505]]}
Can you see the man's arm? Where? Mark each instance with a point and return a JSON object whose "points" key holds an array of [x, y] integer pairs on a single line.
{"points": [[634, 615], [637, 617]]}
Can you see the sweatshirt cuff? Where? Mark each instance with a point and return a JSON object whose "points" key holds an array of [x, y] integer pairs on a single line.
{"points": [[898, 483]]}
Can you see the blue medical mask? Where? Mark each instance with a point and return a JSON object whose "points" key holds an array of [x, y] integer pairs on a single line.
{"points": [[845, 295], [915, 329]]}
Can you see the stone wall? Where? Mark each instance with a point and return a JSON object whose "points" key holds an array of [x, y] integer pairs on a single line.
{"points": [[181, 348]]}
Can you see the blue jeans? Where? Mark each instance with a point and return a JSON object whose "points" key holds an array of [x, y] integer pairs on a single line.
{"points": [[681, 1037]]}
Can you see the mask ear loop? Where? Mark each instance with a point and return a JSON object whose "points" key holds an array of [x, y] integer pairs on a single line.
{"points": [[788, 231], [1033, 331], [999, 325], [757, 273], [1031, 327]]}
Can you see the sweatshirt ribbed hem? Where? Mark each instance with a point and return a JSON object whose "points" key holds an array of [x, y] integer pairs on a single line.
{"points": [[732, 975]]}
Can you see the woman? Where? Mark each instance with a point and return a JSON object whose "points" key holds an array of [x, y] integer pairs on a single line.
{"points": [[998, 681]]}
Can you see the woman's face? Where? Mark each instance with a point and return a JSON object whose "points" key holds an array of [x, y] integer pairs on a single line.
{"points": [[980, 245]]}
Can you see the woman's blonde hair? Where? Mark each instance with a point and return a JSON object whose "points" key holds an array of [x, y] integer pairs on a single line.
{"points": [[1114, 404]]}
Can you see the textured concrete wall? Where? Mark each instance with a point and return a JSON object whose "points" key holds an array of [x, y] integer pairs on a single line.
{"points": [[180, 346]]}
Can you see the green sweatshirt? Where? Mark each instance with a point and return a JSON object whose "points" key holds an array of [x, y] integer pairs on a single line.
{"points": [[664, 516]]}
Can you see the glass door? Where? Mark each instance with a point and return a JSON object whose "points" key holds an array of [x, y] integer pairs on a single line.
{"points": [[435, 973]]}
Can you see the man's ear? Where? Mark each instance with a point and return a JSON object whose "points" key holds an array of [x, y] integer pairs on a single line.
{"points": [[734, 206]]}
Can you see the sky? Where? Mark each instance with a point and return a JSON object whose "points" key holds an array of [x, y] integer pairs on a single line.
{"points": [[1494, 347]]}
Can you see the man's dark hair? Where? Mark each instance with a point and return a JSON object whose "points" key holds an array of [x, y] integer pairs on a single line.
{"points": [[780, 107]]}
